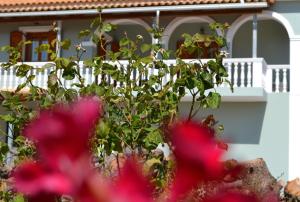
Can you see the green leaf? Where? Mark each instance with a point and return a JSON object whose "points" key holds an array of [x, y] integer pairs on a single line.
{"points": [[19, 198], [65, 44], [3, 148], [124, 42], [8, 118], [62, 62], [84, 33], [43, 47], [145, 47], [213, 100], [22, 70], [153, 139], [88, 63], [30, 78], [69, 73], [107, 27], [95, 23], [52, 79], [20, 87]]}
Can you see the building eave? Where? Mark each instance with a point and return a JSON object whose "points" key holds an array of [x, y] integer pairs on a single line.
{"points": [[149, 9]]}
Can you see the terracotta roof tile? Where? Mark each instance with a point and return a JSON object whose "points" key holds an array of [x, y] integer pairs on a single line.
{"points": [[53, 5]]}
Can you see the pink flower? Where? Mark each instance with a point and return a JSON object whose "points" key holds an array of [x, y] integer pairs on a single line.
{"points": [[62, 138], [62, 134], [132, 185], [44, 197], [197, 156], [32, 179]]}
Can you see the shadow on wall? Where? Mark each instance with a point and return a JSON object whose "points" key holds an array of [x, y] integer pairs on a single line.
{"points": [[242, 121]]}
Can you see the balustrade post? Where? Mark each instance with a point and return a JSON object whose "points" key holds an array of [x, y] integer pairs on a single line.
{"points": [[249, 75], [277, 80], [269, 80], [258, 73], [11, 78], [284, 82], [5, 75], [235, 74], [243, 74]]}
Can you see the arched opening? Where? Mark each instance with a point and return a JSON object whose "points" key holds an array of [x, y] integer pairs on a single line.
{"points": [[129, 28], [172, 37], [272, 42], [273, 45]]}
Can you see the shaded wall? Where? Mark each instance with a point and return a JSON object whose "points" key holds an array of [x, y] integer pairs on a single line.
{"points": [[257, 129]]}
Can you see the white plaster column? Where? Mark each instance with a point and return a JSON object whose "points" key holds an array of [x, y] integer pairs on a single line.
{"points": [[254, 36], [294, 109], [59, 38]]}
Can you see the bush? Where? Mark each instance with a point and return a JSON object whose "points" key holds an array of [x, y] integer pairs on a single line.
{"points": [[136, 110]]}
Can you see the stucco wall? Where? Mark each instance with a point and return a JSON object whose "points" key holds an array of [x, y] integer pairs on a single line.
{"points": [[255, 129], [291, 11]]}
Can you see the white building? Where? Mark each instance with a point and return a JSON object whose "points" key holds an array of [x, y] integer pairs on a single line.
{"points": [[260, 117]]}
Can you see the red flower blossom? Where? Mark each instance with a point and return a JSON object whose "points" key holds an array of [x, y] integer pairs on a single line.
{"points": [[44, 197], [32, 178], [197, 157], [132, 185], [62, 139], [62, 134]]}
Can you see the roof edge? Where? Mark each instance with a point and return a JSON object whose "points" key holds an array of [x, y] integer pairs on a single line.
{"points": [[206, 7]]}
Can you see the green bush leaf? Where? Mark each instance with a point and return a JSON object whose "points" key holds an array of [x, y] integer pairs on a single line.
{"points": [[213, 100]]}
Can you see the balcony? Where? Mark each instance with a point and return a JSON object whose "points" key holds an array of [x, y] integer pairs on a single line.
{"points": [[252, 78]]}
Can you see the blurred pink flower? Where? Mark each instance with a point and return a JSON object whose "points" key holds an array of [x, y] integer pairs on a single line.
{"points": [[197, 157], [62, 139], [62, 134], [132, 185], [32, 178]]}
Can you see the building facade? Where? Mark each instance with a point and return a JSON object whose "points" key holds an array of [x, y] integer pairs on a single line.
{"points": [[261, 115]]}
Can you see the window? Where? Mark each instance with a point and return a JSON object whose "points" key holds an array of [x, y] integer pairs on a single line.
{"points": [[37, 39], [29, 53]]}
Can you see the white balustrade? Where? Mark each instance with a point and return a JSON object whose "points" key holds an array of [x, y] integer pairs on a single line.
{"points": [[235, 74], [278, 78], [5, 78], [277, 84], [248, 75], [285, 81], [242, 72]]}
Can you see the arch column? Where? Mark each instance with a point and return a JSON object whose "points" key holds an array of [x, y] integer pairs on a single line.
{"points": [[294, 109]]}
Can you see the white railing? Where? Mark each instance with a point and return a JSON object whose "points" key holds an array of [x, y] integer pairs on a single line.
{"points": [[243, 73], [278, 78]]}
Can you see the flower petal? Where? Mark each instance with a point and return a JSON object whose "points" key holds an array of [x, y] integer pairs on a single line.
{"points": [[32, 178]]}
